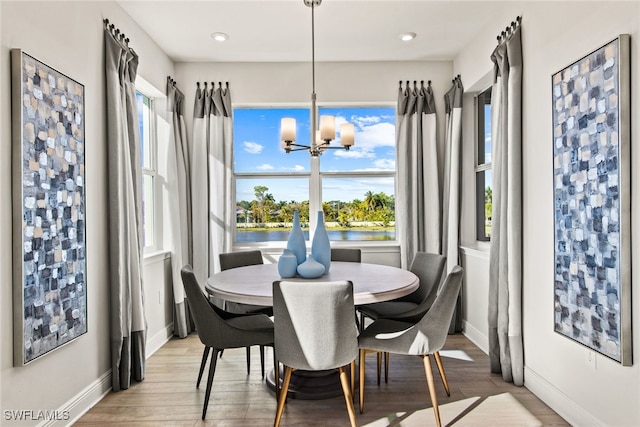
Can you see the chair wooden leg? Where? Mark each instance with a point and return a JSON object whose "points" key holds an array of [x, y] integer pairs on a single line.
{"points": [[379, 354], [276, 373], [432, 387], [262, 360], [352, 367], [248, 360], [363, 353], [212, 371], [445, 383], [283, 395], [386, 367], [205, 354], [348, 397]]}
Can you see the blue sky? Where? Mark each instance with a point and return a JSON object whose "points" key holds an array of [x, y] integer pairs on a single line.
{"points": [[257, 149]]}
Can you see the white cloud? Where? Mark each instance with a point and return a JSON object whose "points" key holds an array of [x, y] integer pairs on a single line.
{"points": [[265, 167], [355, 153], [295, 168], [385, 164], [376, 135], [252, 147]]}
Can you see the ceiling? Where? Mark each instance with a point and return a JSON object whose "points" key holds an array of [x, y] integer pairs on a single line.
{"points": [[280, 31]]}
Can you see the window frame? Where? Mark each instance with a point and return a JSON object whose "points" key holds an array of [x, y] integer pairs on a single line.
{"points": [[314, 175], [152, 172], [481, 166]]}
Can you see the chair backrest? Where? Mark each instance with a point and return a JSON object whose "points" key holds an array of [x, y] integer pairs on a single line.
{"points": [[429, 268], [314, 324], [434, 325], [231, 260], [202, 312], [346, 254], [213, 330]]}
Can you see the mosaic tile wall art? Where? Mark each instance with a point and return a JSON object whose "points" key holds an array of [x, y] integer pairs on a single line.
{"points": [[50, 292], [592, 290]]}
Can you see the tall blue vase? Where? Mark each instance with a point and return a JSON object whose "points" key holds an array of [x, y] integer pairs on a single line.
{"points": [[296, 240], [320, 246]]}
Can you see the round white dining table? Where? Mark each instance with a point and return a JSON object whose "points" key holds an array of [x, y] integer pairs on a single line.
{"points": [[254, 285], [371, 282]]}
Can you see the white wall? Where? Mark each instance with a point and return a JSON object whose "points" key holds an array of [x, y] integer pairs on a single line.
{"points": [[554, 35], [67, 36]]}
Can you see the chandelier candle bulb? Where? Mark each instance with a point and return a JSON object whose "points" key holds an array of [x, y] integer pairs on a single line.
{"points": [[288, 129], [327, 128], [347, 135]]}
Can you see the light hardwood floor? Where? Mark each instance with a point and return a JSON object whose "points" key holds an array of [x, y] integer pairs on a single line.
{"points": [[168, 395]]}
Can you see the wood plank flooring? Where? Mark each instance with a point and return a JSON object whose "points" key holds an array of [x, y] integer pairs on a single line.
{"points": [[168, 395]]}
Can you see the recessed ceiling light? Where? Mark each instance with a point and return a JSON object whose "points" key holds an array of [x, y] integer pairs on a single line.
{"points": [[219, 37], [405, 37]]}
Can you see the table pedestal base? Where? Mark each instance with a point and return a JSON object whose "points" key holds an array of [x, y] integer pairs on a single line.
{"points": [[309, 385]]}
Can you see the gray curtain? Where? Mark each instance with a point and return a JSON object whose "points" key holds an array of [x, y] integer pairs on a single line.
{"points": [[452, 189], [179, 189], [417, 186], [128, 323], [505, 261], [211, 166]]}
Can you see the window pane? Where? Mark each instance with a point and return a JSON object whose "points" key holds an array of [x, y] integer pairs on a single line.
{"points": [[484, 127], [375, 140], [264, 208], [144, 121], [484, 196], [256, 140], [147, 210], [359, 208], [487, 133]]}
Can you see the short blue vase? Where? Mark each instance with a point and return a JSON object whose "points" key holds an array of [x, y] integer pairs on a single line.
{"points": [[287, 264], [296, 240], [311, 269]]}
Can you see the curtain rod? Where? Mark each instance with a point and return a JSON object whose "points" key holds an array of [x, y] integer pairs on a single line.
{"points": [[212, 84], [509, 28], [116, 33]]}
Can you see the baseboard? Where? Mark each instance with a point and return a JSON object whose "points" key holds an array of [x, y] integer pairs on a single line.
{"points": [[475, 336], [156, 342], [71, 411], [573, 413], [75, 408]]}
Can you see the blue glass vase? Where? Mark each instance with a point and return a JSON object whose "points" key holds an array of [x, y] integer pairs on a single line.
{"points": [[320, 246], [311, 269], [287, 264], [296, 240]]}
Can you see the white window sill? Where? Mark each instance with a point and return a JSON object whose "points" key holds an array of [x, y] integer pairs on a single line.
{"points": [[476, 249], [156, 256]]}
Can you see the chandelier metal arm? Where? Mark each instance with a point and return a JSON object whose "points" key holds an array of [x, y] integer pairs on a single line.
{"points": [[320, 138]]}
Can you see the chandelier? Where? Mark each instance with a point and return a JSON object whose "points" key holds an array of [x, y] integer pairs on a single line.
{"points": [[320, 138]]}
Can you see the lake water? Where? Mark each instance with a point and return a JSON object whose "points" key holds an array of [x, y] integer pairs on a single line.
{"points": [[283, 235]]}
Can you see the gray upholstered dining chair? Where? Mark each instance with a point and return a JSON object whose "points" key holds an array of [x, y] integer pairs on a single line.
{"points": [[422, 338], [219, 329], [429, 268], [315, 330], [231, 260], [346, 254]]}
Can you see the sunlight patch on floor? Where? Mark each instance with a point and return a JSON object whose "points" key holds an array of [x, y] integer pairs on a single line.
{"points": [[456, 354], [499, 410]]}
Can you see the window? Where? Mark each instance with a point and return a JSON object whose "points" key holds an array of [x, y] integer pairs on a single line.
{"points": [[355, 188], [483, 167], [149, 169]]}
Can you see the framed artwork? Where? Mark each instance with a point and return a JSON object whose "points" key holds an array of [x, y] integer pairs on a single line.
{"points": [[50, 292], [591, 183]]}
